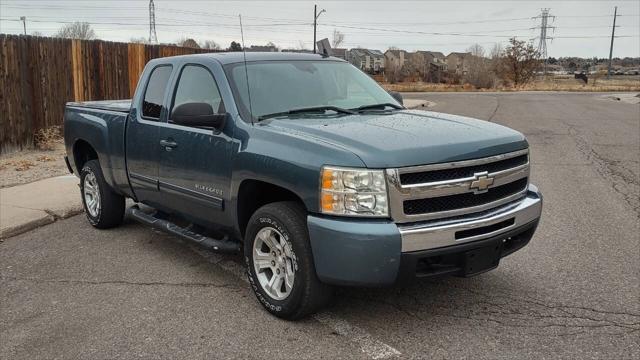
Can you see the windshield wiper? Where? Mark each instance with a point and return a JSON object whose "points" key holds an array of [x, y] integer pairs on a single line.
{"points": [[378, 106], [313, 109]]}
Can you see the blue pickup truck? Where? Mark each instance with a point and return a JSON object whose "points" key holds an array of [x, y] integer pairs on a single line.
{"points": [[309, 168]]}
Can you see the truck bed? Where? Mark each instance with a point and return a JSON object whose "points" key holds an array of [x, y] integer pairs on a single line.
{"points": [[111, 105]]}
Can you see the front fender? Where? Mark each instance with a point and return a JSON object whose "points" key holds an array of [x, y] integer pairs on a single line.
{"points": [[290, 161]]}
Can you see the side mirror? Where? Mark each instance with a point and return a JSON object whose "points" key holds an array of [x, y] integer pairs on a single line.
{"points": [[197, 114], [396, 95]]}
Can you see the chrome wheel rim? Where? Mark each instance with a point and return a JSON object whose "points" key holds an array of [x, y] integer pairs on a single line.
{"points": [[273, 263], [91, 194]]}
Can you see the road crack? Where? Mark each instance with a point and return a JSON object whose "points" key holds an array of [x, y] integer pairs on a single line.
{"points": [[496, 108], [511, 312], [117, 282]]}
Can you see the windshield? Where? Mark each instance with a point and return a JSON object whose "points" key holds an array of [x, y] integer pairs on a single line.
{"points": [[280, 86]]}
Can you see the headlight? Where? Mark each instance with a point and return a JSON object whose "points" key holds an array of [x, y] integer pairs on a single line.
{"points": [[353, 192]]}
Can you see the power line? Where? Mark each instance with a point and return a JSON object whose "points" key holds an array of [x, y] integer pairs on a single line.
{"points": [[160, 24], [209, 14]]}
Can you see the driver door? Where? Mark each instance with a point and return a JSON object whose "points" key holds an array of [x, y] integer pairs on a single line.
{"points": [[195, 162]]}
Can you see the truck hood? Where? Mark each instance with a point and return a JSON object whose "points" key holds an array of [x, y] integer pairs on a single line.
{"points": [[406, 138]]}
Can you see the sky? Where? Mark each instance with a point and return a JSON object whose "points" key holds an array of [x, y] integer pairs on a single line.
{"points": [[580, 28]]}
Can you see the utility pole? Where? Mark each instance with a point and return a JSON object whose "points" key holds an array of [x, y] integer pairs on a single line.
{"points": [[24, 23], [613, 34], [153, 38], [316, 15], [542, 43]]}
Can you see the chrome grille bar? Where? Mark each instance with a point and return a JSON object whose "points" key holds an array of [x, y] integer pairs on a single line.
{"points": [[398, 192]]}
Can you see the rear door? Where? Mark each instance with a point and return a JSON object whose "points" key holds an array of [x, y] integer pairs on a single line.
{"points": [[195, 170], [143, 135]]}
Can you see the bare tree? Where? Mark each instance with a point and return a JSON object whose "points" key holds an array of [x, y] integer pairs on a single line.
{"points": [[476, 50], [301, 45], [479, 72], [338, 39], [270, 43], [77, 30], [495, 55], [519, 62], [496, 51], [210, 44], [188, 42], [37, 33], [138, 40]]}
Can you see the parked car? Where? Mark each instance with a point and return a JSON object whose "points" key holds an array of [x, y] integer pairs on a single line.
{"points": [[306, 165]]}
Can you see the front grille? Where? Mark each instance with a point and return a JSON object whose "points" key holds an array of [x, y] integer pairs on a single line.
{"points": [[462, 172], [466, 200]]}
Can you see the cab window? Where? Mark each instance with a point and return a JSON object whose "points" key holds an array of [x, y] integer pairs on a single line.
{"points": [[154, 93], [196, 84]]}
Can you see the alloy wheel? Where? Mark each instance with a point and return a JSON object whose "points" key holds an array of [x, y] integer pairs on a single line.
{"points": [[91, 194], [273, 263]]}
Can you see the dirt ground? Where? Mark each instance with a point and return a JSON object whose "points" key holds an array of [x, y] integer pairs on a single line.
{"points": [[31, 165]]}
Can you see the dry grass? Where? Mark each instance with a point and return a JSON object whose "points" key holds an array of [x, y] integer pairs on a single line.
{"points": [[19, 165], [30, 165], [557, 83], [47, 138]]}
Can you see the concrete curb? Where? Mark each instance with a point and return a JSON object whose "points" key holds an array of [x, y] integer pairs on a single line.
{"points": [[10, 231], [26, 207], [417, 104]]}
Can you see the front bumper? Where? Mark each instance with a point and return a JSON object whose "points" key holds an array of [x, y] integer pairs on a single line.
{"points": [[379, 252]]}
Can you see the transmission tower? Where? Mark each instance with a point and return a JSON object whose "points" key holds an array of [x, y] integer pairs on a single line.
{"points": [[153, 38], [542, 39]]}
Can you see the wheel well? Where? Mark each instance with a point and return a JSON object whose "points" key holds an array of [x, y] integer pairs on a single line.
{"points": [[254, 194], [83, 152]]}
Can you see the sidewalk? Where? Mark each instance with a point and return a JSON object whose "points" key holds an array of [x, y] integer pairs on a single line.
{"points": [[25, 207]]}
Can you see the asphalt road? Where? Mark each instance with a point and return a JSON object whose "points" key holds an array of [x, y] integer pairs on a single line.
{"points": [[69, 291]]}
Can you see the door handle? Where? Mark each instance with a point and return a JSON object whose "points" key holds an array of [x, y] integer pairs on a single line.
{"points": [[168, 144]]}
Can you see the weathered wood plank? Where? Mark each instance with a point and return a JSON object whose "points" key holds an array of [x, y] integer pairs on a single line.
{"points": [[39, 75]]}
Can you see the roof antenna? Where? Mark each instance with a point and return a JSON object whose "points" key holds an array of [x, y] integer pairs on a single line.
{"points": [[246, 72]]}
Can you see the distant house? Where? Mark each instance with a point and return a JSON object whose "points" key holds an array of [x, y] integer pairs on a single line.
{"points": [[436, 66], [395, 58], [435, 57], [370, 61], [458, 62], [304, 51], [265, 48], [339, 53], [419, 65]]}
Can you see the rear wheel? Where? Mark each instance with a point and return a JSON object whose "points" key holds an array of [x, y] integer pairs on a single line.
{"points": [[280, 263], [102, 206]]}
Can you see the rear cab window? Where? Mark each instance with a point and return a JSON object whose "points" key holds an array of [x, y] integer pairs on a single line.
{"points": [[154, 92]]}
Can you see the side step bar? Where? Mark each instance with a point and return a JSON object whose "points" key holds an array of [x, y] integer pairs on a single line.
{"points": [[218, 245]]}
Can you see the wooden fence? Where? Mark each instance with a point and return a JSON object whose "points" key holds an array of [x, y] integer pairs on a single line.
{"points": [[39, 75]]}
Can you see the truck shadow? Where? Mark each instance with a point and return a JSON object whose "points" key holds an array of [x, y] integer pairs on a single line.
{"points": [[494, 297]]}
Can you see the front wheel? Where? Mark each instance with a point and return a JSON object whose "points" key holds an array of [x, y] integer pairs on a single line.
{"points": [[102, 206], [280, 263]]}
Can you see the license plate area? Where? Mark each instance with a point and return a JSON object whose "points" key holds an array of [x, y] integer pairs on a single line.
{"points": [[482, 259]]}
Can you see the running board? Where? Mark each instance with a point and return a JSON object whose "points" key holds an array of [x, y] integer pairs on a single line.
{"points": [[219, 245]]}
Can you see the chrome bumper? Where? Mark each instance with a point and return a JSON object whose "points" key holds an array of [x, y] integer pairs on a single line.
{"points": [[447, 232]]}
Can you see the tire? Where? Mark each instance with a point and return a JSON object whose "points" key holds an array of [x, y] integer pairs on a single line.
{"points": [[286, 223], [109, 211]]}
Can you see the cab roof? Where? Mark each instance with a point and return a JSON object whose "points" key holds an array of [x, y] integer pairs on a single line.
{"points": [[238, 56]]}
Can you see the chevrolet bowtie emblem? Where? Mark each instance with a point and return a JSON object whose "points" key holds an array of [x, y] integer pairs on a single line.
{"points": [[481, 182]]}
